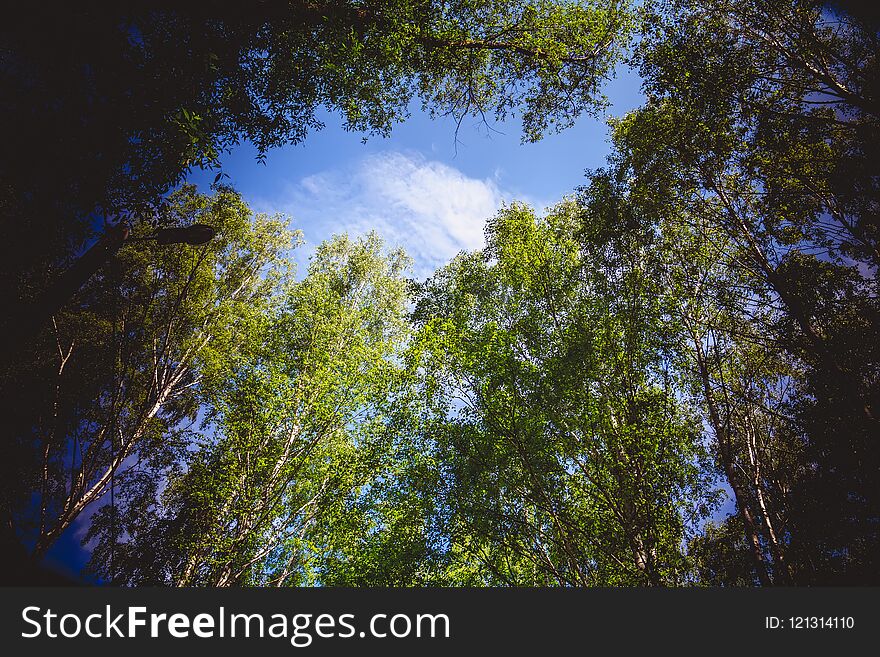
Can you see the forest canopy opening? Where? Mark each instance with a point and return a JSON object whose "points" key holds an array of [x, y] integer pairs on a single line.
{"points": [[667, 378]]}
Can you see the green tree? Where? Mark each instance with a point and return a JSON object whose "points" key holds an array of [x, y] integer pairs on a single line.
{"points": [[568, 458], [720, 340], [130, 96], [120, 367], [293, 407], [109, 108], [753, 156]]}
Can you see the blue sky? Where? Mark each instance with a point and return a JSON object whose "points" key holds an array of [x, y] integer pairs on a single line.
{"points": [[420, 188]]}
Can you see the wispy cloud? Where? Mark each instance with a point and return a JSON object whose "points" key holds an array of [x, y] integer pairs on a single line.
{"points": [[429, 208]]}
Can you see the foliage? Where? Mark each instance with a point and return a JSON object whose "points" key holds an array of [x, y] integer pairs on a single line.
{"points": [[754, 112], [291, 405], [567, 406], [120, 366], [131, 96], [568, 458]]}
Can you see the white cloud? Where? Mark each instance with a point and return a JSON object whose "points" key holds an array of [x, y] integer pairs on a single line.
{"points": [[429, 208]]}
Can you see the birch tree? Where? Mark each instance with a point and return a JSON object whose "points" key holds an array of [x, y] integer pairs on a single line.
{"points": [[129, 349]]}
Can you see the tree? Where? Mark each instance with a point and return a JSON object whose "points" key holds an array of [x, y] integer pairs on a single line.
{"points": [[108, 108], [120, 368], [143, 92], [295, 407], [718, 343], [754, 112], [568, 459]]}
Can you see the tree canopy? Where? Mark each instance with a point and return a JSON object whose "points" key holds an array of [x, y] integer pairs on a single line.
{"points": [[570, 405], [106, 108]]}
